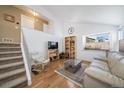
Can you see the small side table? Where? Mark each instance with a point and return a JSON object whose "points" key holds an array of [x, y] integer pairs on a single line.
{"points": [[36, 68]]}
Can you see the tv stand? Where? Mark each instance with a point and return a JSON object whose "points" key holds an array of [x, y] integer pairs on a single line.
{"points": [[53, 54]]}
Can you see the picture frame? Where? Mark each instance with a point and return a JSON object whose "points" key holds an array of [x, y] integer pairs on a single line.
{"points": [[9, 18]]}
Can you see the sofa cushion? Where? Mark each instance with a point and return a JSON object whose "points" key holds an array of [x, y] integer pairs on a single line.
{"points": [[110, 59], [104, 76], [118, 69], [100, 64], [101, 59], [113, 59]]}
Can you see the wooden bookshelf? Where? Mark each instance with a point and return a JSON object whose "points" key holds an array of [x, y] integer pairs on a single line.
{"points": [[53, 54], [70, 47]]}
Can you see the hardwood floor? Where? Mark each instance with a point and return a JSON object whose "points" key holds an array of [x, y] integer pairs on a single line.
{"points": [[50, 79]]}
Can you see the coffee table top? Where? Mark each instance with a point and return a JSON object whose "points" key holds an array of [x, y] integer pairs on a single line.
{"points": [[73, 62]]}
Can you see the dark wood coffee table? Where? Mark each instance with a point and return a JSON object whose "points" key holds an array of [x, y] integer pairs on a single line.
{"points": [[72, 65]]}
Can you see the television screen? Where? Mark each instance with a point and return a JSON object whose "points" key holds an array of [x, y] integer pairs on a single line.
{"points": [[52, 45]]}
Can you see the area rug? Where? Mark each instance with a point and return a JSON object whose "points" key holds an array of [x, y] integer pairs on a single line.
{"points": [[76, 78]]}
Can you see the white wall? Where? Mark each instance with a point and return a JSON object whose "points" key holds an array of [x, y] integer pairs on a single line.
{"points": [[37, 41], [83, 29]]}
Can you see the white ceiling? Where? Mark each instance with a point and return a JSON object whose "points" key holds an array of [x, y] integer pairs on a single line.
{"points": [[111, 15]]}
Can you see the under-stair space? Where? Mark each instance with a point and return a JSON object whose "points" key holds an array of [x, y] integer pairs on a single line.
{"points": [[12, 69]]}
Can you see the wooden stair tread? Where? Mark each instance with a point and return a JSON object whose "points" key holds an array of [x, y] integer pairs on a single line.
{"points": [[10, 65], [10, 47], [10, 52], [9, 58], [9, 43], [11, 73], [14, 82]]}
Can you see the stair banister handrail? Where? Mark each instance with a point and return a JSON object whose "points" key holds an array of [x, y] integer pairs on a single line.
{"points": [[26, 57]]}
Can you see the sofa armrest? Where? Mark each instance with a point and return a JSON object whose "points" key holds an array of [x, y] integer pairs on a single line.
{"points": [[104, 76]]}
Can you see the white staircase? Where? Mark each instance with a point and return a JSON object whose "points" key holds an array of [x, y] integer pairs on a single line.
{"points": [[12, 69]]}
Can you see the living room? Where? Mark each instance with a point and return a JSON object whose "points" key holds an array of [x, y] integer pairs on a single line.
{"points": [[53, 40]]}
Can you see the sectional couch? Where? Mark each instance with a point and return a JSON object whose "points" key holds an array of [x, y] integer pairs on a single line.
{"points": [[105, 73]]}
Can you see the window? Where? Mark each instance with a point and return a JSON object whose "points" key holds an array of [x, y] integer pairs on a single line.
{"points": [[98, 41], [121, 35], [121, 41], [45, 27]]}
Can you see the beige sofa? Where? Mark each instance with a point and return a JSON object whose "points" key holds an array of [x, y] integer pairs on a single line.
{"points": [[107, 72]]}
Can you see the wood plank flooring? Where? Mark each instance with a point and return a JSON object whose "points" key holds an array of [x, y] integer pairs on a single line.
{"points": [[50, 79]]}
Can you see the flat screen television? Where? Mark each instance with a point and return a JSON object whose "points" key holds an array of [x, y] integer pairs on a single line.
{"points": [[52, 45]]}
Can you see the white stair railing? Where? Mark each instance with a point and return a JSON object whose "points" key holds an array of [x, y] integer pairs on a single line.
{"points": [[26, 58]]}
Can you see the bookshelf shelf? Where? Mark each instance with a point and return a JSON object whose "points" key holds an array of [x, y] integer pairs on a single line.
{"points": [[70, 47]]}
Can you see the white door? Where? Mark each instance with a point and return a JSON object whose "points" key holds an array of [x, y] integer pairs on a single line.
{"points": [[27, 22]]}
